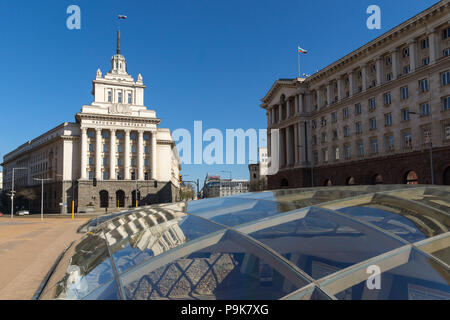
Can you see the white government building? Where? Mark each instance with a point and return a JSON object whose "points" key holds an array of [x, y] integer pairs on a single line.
{"points": [[97, 162]]}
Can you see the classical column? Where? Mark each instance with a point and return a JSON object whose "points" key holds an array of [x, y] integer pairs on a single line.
{"points": [[364, 77], [394, 63], [83, 174], [126, 160], [98, 154], [301, 106], [289, 151], [379, 65], [339, 88], [288, 108], [351, 84], [140, 155], [433, 46], [318, 98], [280, 110], [296, 144], [281, 148], [413, 55], [153, 156], [329, 100], [112, 155]]}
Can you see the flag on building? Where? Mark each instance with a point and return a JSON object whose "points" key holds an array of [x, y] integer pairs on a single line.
{"points": [[122, 17]]}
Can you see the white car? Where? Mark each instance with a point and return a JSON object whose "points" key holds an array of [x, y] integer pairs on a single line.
{"points": [[23, 212]]}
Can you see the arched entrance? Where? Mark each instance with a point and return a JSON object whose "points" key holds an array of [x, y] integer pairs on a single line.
{"points": [[133, 198], [328, 183], [377, 179], [447, 177], [350, 181], [284, 183], [411, 178], [120, 198], [104, 199]]}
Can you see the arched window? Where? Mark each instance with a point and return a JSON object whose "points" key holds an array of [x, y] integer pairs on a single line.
{"points": [[284, 183], [447, 177], [411, 178], [351, 181], [328, 183], [377, 179], [104, 199], [120, 198]]}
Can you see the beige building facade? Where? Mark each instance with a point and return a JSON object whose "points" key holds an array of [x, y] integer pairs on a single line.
{"points": [[114, 149], [370, 117]]}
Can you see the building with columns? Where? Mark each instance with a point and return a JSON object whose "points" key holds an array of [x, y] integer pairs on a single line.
{"points": [[371, 117], [114, 152]]}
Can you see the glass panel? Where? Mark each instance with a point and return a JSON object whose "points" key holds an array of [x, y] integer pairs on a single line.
{"points": [[419, 278], [84, 267], [311, 293], [232, 211], [219, 268], [410, 221], [319, 241], [438, 198], [138, 237], [107, 292]]}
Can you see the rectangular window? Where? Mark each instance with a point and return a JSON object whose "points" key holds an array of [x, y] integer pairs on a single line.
{"points": [[425, 61], [146, 162], [146, 149], [445, 78], [425, 109], [390, 142], [119, 97], [346, 131], [105, 148], [91, 147], [405, 52], [334, 117], [374, 144], [91, 175], [119, 148], [133, 162], [407, 139], [91, 161], [405, 113], [105, 175], [361, 149], [406, 69], [388, 119], [445, 33], [446, 103], [425, 43], [446, 52], [314, 140], [387, 98], [423, 84], [323, 122], [129, 98], [372, 103], [373, 124], [133, 148], [404, 93], [314, 124], [388, 61], [389, 76], [348, 152], [119, 161], [345, 112], [447, 132], [109, 96], [358, 108], [359, 128]]}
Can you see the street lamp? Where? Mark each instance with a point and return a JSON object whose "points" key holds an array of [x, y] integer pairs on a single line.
{"points": [[136, 190], [431, 152], [12, 191], [42, 194]]}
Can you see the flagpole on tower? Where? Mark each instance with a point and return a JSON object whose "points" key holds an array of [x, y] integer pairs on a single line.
{"points": [[298, 57]]}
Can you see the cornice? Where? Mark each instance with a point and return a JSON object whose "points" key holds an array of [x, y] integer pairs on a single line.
{"points": [[106, 117]]}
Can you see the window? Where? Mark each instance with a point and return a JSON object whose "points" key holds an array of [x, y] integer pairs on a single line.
{"points": [[314, 124], [407, 139], [348, 152], [133, 162], [374, 145], [359, 128], [129, 98], [425, 109], [119, 97], [446, 52], [91, 147], [109, 96], [105, 148], [425, 43], [146, 149], [119, 135], [91, 175], [133, 136], [389, 142], [119, 161], [446, 103], [445, 77], [388, 119], [133, 148], [325, 155], [323, 122], [324, 137], [336, 153], [146, 137], [426, 135], [405, 113], [389, 76], [105, 135], [406, 69], [91, 161], [404, 93], [358, 108], [91, 134], [314, 142], [405, 52], [335, 135], [119, 176], [374, 68], [334, 117], [423, 84], [105, 175], [361, 148], [426, 61], [105, 161], [346, 131], [119, 148], [447, 132], [387, 98], [372, 103], [388, 61], [373, 124], [316, 157], [445, 33], [345, 113], [146, 162]]}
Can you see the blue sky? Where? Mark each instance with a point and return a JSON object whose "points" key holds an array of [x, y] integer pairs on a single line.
{"points": [[205, 60]]}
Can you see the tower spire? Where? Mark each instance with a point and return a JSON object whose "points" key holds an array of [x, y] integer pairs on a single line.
{"points": [[118, 41]]}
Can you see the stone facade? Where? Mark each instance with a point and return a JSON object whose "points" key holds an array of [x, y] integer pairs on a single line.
{"points": [[384, 103]]}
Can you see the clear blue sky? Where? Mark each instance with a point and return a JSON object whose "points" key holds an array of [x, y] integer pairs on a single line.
{"points": [[203, 60]]}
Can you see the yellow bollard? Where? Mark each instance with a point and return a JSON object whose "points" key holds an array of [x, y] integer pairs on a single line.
{"points": [[73, 209]]}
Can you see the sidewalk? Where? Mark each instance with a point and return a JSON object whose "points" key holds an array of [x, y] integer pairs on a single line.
{"points": [[28, 249]]}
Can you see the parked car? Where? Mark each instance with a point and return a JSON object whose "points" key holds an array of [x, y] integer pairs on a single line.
{"points": [[23, 212]]}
